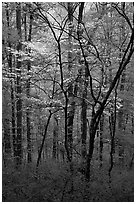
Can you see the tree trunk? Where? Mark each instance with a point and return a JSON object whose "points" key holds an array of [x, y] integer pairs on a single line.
{"points": [[71, 90], [132, 124], [43, 140], [66, 127], [13, 121], [122, 88], [112, 135], [101, 139], [70, 119], [84, 124], [19, 91], [71, 108], [84, 93], [6, 141], [29, 156], [112, 125], [92, 131], [55, 139]]}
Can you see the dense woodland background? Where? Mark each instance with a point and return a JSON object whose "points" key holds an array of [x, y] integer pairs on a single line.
{"points": [[67, 108]]}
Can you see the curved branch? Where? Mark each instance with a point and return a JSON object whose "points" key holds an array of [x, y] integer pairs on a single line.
{"points": [[123, 14]]}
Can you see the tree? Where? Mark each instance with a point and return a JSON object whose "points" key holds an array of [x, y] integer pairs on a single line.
{"points": [[29, 158], [96, 115], [85, 85], [19, 100], [55, 139], [122, 87], [6, 121]]}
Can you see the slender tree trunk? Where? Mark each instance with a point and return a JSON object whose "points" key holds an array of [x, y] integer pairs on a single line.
{"points": [[122, 88], [43, 140], [19, 91], [112, 123], [84, 114], [112, 111], [66, 127], [72, 89], [29, 156], [92, 131], [91, 147], [112, 134], [70, 119], [6, 141], [83, 72], [101, 139], [132, 124], [55, 139], [13, 121], [84, 124]]}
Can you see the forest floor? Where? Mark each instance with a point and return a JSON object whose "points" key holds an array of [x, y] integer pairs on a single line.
{"points": [[54, 183]]}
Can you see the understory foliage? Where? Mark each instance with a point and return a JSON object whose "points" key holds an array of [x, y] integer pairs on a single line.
{"points": [[67, 108], [53, 184]]}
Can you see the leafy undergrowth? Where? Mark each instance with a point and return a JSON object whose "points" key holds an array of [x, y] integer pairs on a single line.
{"points": [[54, 183]]}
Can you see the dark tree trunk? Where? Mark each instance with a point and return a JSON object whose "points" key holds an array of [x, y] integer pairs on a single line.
{"points": [[70, 21], [43, 140], [71, 90], [29, 156], [84, 94], [132, 124], [66, 128], [101, 138], [121, 121], [13, 121], [84, 125], [19, 91], [55, 139], [112, 135], [92, 131], [61, 151], [71, 109], [70, 119], [84, 116], [84, 72], [6, 139]]}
